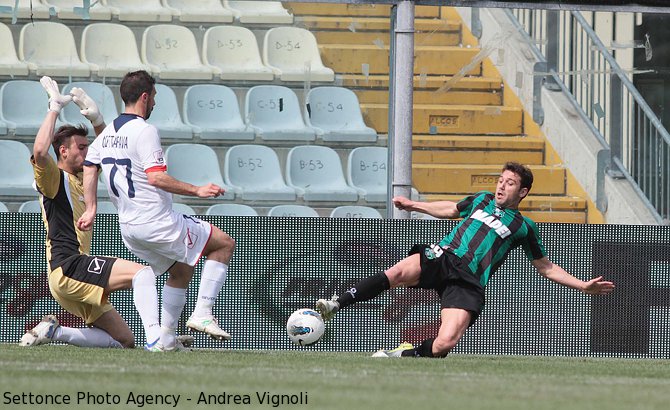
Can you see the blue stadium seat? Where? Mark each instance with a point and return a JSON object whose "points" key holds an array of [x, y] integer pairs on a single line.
{"points": [[274, 113], [367, 172], [3, 207], [23, 105], [293, 211], [106, 207], [182, 208], [335, 114], [254, 173], [355, 211], [214, 113], [232, 52], [316, 174], [166, 117], [9, 62], [103, 97], [196, 164], [31, 207], [231, 210]]}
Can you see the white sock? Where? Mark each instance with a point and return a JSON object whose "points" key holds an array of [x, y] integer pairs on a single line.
{"points": [[174, 300], [211, 281], [145, 297], [85, 337]]}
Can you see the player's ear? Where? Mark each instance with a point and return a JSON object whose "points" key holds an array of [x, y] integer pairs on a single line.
{"points": [[523, 192]]}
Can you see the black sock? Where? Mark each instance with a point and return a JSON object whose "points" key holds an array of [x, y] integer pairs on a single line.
{"points": [[425, 349], [366, 289]]}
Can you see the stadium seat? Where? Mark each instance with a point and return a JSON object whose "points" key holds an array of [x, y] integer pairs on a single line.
{"points": [[103, 97], [232, 53], [172, 53], [270, 12], [254, 173], [182, 208], [293, 55], [133, 10], [274, 113], [76, 10], [9, 62], [3, 207], [316, 174], [31, 207], [355, 211], [110, 50], [293, 211], [16, 173], [335, 115], [231, 210], [106, 207], [166, 117], [196, 164], [49, 49], [214, 113], [23, 105], [201, 11], [26, 9], [367, 172]]}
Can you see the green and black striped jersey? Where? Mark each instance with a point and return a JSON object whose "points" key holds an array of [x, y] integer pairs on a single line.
{"points": [[487, 234]]}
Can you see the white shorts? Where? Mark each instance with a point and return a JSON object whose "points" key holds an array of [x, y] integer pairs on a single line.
{"points": [[176, 238]]}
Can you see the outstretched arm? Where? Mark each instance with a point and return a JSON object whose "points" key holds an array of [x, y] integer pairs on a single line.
{"points": [[161, 180], [45, 134], [438, 209], [553, 272]]}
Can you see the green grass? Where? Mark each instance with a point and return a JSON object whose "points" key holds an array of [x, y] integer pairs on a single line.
{"points": [[336, 380]]}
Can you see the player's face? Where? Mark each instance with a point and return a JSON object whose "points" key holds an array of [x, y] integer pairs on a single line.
{"points": [[74, 155], [508, 191], [151, 101]]}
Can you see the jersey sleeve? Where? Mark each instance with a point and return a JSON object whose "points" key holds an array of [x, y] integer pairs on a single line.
{"points": [[532, 245], [47, 178], [93, 154], [150, 151], [466, 204]]}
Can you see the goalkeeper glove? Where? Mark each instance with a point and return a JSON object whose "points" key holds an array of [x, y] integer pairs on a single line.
{"points": [[88, 107], [56, 100]]}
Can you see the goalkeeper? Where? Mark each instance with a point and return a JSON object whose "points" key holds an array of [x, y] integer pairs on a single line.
{"points": [[81, 283], [460, 265]]}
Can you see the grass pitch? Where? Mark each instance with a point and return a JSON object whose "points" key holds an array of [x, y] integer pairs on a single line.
{"points": [[96, 378]]}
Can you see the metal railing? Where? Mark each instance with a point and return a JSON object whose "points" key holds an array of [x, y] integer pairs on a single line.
{"points": [[579, 63]]}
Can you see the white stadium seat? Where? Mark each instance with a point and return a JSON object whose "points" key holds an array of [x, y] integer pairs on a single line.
{"points": [[49, 49], [355, 211], [293, 55], [3, 207], [316, 174], [16, 173], [268, 12], [293, 211], [201, 11], [23, 105], [335, 114], [367, 171], [196, 164], [30, 207], [110, 50], [274, 113], [26, 9], [166, 117], [231, 210], [214, 113], [103, 97], [172, 53], [78, 10], [134, 10], [9, 62], [233, 53], [182, 208], [254, 173]]}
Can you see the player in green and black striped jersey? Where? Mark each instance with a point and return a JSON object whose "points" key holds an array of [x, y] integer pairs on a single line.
{"points": [[461, 264]]}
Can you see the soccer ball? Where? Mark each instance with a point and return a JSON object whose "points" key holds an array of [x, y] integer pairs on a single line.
{"points": [[305, 327]]}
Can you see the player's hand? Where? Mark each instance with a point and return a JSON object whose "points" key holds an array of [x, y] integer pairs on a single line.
{"points": [[87, 106], [56, 100], [598, 286], [402, 203], [85, 222], [210, 191]]}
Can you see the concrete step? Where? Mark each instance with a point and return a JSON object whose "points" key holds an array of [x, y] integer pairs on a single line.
{"points": [[422, 82], [466, 179], [436, 60], [438, 149], [354, 9], [452, 120], [451, 97]]}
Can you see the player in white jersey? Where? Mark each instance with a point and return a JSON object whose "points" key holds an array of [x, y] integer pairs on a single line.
{"points": [[130, 154]]}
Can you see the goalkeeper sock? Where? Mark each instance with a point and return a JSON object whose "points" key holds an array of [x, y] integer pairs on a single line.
{"points": [[174, 300], [85, 337], [366, 289], [212, 280]]}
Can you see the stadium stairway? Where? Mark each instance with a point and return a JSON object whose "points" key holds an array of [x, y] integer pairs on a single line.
{"points": [[462, 134]]}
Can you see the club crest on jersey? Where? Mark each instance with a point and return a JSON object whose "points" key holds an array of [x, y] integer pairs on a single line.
{"points": [[492, 222], [433, 252], [96, 265], [158, 156]]}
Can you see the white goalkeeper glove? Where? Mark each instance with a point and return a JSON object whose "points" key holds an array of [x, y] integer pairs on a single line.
{"points": [[88, 107], [56, 100]]}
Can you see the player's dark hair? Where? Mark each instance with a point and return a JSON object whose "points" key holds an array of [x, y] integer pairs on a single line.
{"points": [[522, 171], [64, 134], [134, 85]]}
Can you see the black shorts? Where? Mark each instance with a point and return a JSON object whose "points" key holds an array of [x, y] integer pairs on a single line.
{"points": [[93, 270], [446, 274]]}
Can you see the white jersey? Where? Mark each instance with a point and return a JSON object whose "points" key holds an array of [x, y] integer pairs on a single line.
{"points": [[127, 149]]}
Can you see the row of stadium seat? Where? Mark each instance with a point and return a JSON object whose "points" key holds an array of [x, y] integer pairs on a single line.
{"points": [[169, 51], [345, 211], [210, 111], [201, 11], [250, 172]]}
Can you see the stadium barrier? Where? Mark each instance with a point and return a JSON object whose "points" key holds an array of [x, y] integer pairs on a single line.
{"points": [[282, 264]]}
